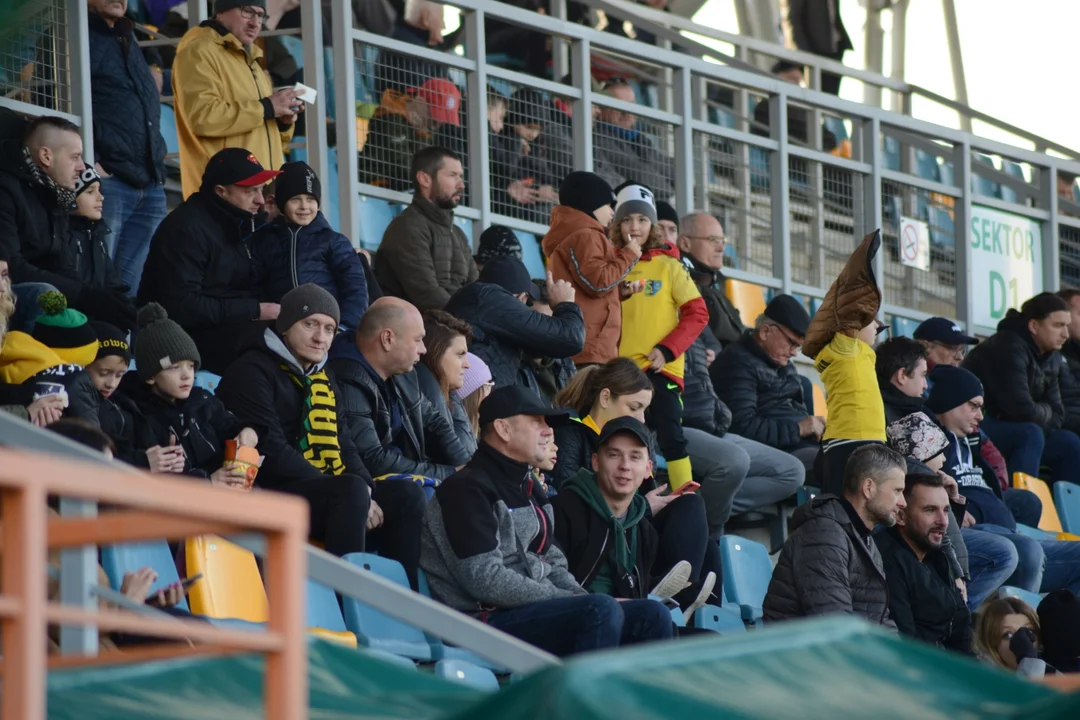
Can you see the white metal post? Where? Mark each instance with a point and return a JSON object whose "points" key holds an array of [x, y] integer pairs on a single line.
{"points": [[196, 12], [965, 293], [779, 182], [956, 60], [479, 156], [78, 41], [583, 107], [684, 141], [1051, 232], [78, 573], [899, 49], [345, 118], [311, 24]]}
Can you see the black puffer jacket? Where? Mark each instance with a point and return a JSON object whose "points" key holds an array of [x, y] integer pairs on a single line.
{"points": [[1069, 382], [506, 330], [426, 443], [766, 400], [264, 388], [127, 106], [546, 377], [724, 319], [1020, 383], [828, 566], [33, 229], [924, 601], [90, 252], [702, 408]]}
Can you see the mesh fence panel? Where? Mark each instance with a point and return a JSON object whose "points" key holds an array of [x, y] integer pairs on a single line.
{"points": [[627, 148], [34, 56], [405, 105], [731, 181], [1070, 256], [823, 201], [932, 291]]}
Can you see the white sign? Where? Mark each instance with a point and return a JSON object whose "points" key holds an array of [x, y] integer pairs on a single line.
{"points": [[914, 243], [1006, 262]]}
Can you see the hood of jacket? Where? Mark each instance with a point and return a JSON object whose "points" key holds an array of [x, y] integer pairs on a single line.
{"points": [[669, 250], [272, 344], [565, 221], [1017, 324], [213, 31], [584, 484], [12, 153], [23, 357]]}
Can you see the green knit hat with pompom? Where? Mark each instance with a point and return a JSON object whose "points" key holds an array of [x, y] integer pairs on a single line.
{"points": [[64, 329]]}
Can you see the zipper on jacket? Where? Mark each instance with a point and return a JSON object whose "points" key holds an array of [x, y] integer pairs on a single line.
{"points": [[603, 546], [292, 257]]}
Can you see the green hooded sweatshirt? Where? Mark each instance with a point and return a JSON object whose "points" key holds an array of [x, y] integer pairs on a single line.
{"points": [[624, 535]]}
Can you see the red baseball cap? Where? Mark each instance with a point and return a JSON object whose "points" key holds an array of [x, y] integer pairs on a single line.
{"points": [[443, 100], [236, 166]]}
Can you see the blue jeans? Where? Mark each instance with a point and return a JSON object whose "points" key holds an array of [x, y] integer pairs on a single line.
{"points": [[1021, 444], [1062, 455], [1044, 565], [992, 560], [26, 305], [565, 626], [1025, 506], [133, 215]]}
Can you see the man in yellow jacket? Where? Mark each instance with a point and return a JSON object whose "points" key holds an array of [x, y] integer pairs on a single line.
{"points": [[223, 94]]}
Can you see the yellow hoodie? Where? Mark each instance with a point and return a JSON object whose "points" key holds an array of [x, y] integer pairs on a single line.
{"points": [[856, 410], [219, 87]]}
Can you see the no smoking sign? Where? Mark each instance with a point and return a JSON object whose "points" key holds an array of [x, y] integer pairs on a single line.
{"points": [[914, 243]]}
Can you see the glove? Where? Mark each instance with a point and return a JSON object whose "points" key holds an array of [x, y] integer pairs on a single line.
{"points": [[109, 305], [1022, 644]]}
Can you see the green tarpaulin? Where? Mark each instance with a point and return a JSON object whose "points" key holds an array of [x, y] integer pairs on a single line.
{"points": [[829, 668]]}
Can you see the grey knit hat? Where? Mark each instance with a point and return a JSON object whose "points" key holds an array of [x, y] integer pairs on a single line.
{"points": [[630, 198], [304, 301], [161, 343]]}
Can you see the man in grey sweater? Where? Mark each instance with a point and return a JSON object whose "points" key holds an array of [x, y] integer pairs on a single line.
{"points": [[488, 547], [830, 564]]}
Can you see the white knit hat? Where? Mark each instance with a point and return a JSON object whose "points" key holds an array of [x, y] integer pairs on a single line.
{"points": [[631, 199]]}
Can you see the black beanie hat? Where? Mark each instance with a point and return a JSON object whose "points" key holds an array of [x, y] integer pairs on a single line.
{"points": [[161, 343], [664, 211], [296, 178], [221, 6], [111, 341], [585, 191], [790, 313], [952, 387], [495, 241], [86, 178], [65, 330], [1059, 620], [304, 301]]}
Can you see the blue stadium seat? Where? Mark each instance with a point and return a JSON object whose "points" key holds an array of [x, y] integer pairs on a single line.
{"points": [[903, 327], [466, 673], [677, 617], [531, 254], [375, 215], [466, 226], [1014, 170], [1067, 502], [168, 130], [979, 184], [129, 557], [1031, 598], [389, 657], [926, 166], [806, 493], [323, 610], [891, 146], [837, 127], [948, 173], [377, 630], [1035, 533], [724, 620], [207, 380], [439, 651], [747, 572]]}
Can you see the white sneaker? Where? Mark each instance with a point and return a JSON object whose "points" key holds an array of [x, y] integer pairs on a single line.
{"points": [[707, 586], [673, 582]]}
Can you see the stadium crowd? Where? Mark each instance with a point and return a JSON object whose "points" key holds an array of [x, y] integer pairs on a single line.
{"points": [[559, 455]]}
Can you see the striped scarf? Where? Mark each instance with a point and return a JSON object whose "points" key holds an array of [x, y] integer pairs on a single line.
{"points": [[320, 444], [64, 198]]}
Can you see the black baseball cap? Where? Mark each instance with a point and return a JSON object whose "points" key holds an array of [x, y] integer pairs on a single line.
{"points": [[626, 424], [944, 331], [511, 400], [509, 273], [236, 166]]}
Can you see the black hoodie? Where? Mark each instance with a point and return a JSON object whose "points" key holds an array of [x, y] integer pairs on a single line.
{"points": [[897, 404], [1020, 382]]}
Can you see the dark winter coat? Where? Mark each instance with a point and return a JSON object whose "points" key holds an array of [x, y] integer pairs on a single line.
{"points": [[288, 256], [424, 257], [455, 413], [409, 437], [1069, 382], [546, 376], [924, 601], [505, 329], [127, 106], [828, 566], [766, 399], [724, 319], [1020, 383], [264, 388], [702, 408], [897, 404], [87, 241]]}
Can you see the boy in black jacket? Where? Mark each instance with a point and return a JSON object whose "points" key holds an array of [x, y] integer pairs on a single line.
{"points": [[117, 413], [183, 428]]}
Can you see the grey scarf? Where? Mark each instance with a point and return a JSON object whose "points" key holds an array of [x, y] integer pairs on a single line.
{"points": [[64, 198]]}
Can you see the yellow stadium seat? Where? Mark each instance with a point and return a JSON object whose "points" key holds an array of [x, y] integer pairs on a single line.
{"points": [[748, 298], [1049, 520], [231, 585], [821, 408]]}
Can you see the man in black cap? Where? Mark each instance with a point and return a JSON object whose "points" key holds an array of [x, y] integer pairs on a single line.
{"points": [[756, 379], [946, 343], [506, 329], [668, 220], [200, 268], [488, 542]]}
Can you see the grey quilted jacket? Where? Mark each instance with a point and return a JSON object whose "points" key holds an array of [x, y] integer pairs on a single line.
{"points": [[827, 567]]}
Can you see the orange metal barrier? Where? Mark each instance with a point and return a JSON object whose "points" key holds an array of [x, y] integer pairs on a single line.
{"points": [[149, 508]]}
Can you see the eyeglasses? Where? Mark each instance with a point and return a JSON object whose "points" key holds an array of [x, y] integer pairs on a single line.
{"points": [[796, 345], [250, 13], [714, 239], [975, 407]]}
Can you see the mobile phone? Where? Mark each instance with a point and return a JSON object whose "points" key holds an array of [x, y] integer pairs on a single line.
{"points": [[688, 487], [185, 585]]}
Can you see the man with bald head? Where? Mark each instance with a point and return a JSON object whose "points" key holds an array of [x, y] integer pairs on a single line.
{"points": [[393, 425], [702, 242], [38, 177]]}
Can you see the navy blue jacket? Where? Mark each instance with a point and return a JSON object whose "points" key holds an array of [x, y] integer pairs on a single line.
{"points": [[287, 256], [127, 107]]}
